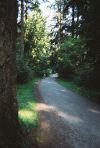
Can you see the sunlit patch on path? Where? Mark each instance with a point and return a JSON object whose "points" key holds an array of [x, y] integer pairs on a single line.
{"points": [[67, 119]]}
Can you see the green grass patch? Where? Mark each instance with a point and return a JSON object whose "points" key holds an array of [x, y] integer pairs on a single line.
{"points": [[28, 116], [92, 94], [69, 85]]}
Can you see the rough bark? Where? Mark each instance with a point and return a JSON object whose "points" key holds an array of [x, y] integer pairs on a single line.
{"points": [[8, 103]]}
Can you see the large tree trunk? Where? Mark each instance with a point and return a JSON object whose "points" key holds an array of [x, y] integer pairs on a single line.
{"points": [[8, 103]]}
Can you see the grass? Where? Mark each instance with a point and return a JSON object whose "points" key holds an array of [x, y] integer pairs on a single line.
{"points": [[92, 94], [69, 85], [28, 116]]}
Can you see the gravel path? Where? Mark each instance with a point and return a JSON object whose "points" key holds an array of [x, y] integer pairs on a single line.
{"points": [[67, 119]]}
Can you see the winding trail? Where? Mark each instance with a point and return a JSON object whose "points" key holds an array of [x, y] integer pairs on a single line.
{"points": [[67, 119]]}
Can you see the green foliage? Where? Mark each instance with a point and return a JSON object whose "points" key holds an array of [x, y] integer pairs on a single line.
{"points": [[92, 94], [35, 59], [41, 66], [37, 43], [84, 75], [70, 85], [73, 62], [71, 55], [34, 32], [27, 114], [78, 19], [24, 70]]}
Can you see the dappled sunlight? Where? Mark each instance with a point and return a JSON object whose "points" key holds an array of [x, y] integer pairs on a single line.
{"points": [[69, 118], [94, 111], [27, 104], [63, 90], [27, 116], [60, 90], [44, 107], [72, 119], [51, 82]]}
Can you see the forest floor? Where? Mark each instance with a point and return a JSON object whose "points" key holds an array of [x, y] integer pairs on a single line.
{"points": [[67, 120], [28, 116]]}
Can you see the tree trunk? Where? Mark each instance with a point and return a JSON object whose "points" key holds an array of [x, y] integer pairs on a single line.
{"points": [[26, 9], [8, 103], [77, 26], [73, 19]]}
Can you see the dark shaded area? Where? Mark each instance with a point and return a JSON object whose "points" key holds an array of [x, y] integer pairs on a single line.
{"points": [[9, 125], [75, 44]]}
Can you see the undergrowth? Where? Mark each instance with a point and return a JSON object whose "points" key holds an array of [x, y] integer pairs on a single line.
{"points": [[28, 116], [91, 94]]}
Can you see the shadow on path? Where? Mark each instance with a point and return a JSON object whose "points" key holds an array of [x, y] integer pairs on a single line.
{"points": [[67, 120]]}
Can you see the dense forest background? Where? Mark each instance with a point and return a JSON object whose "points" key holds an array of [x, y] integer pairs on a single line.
{"points": [[32, 43], [71, 48], [77, 55]]}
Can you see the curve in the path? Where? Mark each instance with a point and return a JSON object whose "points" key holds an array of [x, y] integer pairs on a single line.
{"points": [[74, 121]]}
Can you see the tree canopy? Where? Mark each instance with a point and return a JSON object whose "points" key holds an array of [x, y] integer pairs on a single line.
{"points": [[75, 21]]}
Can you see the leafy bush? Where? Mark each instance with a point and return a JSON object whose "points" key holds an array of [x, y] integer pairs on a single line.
{"points": [[84, 74], [45, 72], [71, 55], [41, 66]]}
